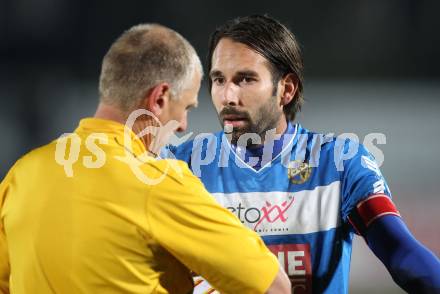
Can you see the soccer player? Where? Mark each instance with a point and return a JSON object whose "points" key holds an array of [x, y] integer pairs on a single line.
{"points": [[303, 192], [91, 213]]}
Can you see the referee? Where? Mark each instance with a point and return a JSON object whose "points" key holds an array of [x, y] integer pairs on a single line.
{"points": [[95, 212]]}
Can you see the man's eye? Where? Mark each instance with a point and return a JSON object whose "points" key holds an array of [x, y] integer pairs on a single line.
{"points": [[218, 81], [247, 79]]}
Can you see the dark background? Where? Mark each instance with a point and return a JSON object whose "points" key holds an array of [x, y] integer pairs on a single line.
{"points": [[370, 66]]}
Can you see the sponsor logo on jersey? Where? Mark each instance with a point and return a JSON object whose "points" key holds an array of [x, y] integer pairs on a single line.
{"points": [[296, 261], [270, 213], [299, 172], [280, 213]]}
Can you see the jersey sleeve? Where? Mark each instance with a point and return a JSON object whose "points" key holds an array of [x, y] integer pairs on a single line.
{"points": [[4, 257], [4, 263], [185, 219], [360, 179]]}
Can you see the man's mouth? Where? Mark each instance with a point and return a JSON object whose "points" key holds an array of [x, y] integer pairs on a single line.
{"points": [[234, 120]]}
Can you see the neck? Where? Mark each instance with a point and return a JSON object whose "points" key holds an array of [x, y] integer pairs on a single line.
{"points": [[110, 112], [282, 126], [270, 135]]}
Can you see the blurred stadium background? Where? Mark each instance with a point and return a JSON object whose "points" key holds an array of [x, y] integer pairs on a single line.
{"points": [[371, 66]]}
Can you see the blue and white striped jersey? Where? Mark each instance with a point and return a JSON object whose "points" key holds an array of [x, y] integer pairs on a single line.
{"points": [[298, 201]]}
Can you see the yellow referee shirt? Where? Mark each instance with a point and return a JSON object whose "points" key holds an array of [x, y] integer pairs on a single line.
{"points": [[95, 227]]}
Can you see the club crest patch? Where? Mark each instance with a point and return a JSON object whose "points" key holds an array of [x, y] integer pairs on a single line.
{"points": [[299, 172]]}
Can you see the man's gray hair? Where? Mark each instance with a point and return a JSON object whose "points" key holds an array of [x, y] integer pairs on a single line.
{"points": [[142, 57]]}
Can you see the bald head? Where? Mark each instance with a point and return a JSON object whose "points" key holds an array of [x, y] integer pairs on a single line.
{"points": [[142, 57]]}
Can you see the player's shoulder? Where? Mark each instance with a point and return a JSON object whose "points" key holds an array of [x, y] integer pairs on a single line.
{"points": [[329, 141], [328, 150]]}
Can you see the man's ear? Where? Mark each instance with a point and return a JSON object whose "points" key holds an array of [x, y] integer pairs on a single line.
{"points": [[156, 99], [289, 87]]}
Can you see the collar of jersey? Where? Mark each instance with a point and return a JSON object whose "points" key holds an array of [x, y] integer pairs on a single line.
{"points": [[288, 147], [113, 129]]}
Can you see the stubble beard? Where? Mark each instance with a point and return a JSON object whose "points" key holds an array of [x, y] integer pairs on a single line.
{"points": [[266, 118]]}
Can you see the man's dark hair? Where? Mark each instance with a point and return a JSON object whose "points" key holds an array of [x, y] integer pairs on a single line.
{"points": [[274, 42]]}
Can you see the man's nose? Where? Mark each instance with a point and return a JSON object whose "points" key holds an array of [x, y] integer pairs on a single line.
{"points": [[182, 125], [230, 95]]}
